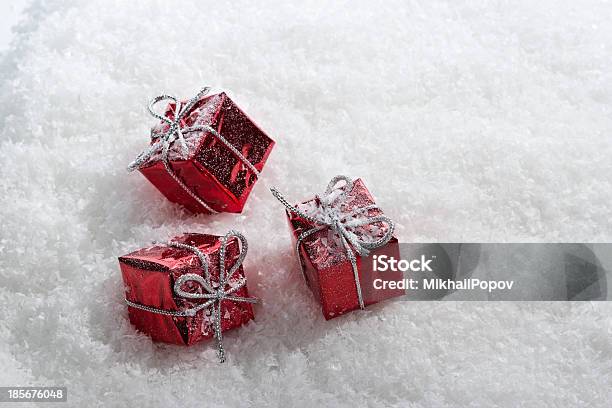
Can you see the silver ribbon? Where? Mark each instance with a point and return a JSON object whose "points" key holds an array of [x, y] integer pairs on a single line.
{"points": [[331, 216], [214, 296], [175, 133]]}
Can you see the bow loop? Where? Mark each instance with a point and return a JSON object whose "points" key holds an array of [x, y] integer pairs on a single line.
{"points": [[244, 246], [158, 99], [335, 192], [209, 292], [367, 242]]}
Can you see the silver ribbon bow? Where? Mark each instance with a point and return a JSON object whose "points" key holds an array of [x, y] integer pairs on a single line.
{"points": [[213, 295], [175, 133], [331, 216]]}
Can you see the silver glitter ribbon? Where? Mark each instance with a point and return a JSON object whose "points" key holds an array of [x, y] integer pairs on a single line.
{"points": [[331, 215], [213, 296], [175, 133]]}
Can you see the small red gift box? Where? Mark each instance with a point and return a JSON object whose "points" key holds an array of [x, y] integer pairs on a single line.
{"points": [[319, 226], [214, 153], [179, 292]]}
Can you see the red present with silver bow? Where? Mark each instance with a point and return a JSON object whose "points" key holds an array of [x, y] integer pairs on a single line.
{"points": [[335, 236], [205, 154], [189, 289]]}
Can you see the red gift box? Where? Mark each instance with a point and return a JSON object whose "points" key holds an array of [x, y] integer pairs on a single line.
{"points": [[173, 290], [326, 261], [214, 153]]}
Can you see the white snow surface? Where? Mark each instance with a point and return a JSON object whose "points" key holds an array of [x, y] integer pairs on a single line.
{"points": [[469, 121]]}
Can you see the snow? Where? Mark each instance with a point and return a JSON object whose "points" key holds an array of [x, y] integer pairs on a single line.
{"points": [[10, 12], [468, 122]]}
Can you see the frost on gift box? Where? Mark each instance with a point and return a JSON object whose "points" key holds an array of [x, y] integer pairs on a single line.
{"points": [[205, 154], [335, 236], [188, 289]]}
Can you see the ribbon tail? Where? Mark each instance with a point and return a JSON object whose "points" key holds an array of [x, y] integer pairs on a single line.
{"points": [[353, 260], [291, 208], [144, 156], [218, 334]]}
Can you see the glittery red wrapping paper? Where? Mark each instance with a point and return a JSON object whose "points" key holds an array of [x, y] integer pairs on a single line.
{"points": [[210, 169], [329, 273], [149, 275]]}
